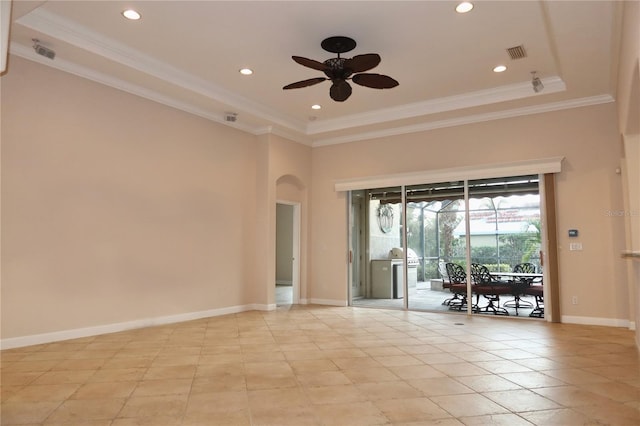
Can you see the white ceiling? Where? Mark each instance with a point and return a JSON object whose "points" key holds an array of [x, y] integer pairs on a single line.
{"points": [[187, 54]]}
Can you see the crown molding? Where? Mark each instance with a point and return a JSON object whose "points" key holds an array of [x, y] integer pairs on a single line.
{"points": [[278, 124], [450, 103], [286, 132], [107, 80], [81, 37], [86, 39], [469, 119]]}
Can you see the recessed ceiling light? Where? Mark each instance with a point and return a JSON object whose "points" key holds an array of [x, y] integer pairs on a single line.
{"points": [[246, 71], [500, 68], [316, 106], [131, 14], [464, 7]]}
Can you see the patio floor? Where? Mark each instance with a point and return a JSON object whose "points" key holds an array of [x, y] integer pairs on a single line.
{"points": [[423, 298]]}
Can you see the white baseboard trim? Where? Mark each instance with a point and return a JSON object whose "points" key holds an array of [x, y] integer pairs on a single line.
{"points": [[607, 322], [329, 302], [37, 339], [262, 307]]}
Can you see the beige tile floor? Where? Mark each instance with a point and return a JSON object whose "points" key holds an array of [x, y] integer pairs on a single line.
{"points": [[313, 365]]}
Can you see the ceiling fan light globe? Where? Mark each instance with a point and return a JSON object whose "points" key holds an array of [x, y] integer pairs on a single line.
{"points": [[340, 90]]}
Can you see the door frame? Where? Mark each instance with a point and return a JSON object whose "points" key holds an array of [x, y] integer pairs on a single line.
{"points": [[295, 264], [357, 252]]}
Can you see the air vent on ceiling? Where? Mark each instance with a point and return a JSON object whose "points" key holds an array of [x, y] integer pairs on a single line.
{"points": [[517, 52]]}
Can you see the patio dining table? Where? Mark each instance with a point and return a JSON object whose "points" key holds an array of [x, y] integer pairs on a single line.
{"points": [[517, 282], [516, 274]]}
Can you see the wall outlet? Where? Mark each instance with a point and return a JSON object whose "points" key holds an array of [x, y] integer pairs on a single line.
{"points": [[575, 246], [574, 300]]}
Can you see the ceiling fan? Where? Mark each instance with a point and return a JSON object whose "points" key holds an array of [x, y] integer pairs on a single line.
{"points": [[339, 70]]}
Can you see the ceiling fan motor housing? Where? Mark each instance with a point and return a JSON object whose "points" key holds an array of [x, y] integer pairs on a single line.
{"points": [[337, 69]]}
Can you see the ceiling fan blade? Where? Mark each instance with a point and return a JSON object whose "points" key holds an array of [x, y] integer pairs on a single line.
{"points": [[360, 63], [304, 83], [310, 63], [375, 81], [340, 90]]}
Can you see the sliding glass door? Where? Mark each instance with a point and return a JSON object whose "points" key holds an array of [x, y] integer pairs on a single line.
{"points": [[498, 224], [435, 221], [381, 261], [504, 238]]}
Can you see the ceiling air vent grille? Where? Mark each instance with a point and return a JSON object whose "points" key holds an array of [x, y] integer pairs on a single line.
{"points": [[517, 52]]}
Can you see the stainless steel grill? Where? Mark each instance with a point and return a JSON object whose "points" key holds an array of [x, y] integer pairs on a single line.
{"points": [[398, 253]]}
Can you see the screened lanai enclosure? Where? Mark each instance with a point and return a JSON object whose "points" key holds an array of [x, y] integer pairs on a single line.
{"points": [[497, 226]]}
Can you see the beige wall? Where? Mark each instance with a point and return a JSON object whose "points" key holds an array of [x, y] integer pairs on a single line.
{"points": [[282, 173], [115, 208], [587, 189], [291, 172]]}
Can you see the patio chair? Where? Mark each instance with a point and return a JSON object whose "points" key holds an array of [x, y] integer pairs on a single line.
{"points": [[488, 287], [537, 291], [519, 284], [527, 268], [457, 285], [446, 281]]}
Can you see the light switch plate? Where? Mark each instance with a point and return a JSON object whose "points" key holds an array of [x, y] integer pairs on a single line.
{"points": [[575, 246]]}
